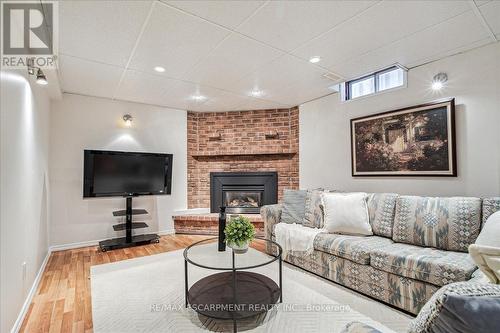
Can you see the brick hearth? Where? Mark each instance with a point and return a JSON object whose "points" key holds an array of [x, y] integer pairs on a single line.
{"points": [[208, 224]]}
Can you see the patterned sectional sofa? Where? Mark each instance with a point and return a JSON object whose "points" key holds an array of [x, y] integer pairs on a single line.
{"points": [[419, 245]]}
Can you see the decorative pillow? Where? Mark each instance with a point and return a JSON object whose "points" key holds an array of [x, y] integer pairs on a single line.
{"points": [[313, 213], [444, 223], [381, 208], [294, 204], [460, 307], [346, 213], [486, 251]]}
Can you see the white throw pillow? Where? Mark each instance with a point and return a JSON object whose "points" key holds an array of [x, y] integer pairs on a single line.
{"points": [[346, 213], [486, 251]]}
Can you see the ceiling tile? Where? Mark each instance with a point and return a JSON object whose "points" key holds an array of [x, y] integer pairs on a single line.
{"points": [[222, 101], [87, 77], [301, 91], [175, 41], [481, 2], [288, 24], [231, 60], [282, 72], [143, 88], [159, 90], [381, 24], [181, 93], [430, 44], [103, 31], [491, 13], [261, 104], [227, 13]]}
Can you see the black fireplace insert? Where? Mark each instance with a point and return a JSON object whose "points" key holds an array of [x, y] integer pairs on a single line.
{"points": [[242, 192]]}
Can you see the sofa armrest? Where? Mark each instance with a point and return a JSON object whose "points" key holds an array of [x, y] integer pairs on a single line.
{"points": [[476, 304], [490, 206], [271, 214]]}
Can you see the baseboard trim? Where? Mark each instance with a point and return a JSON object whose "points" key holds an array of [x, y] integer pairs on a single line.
{"points": [[31, 294], [166, 232], [70, 246]]}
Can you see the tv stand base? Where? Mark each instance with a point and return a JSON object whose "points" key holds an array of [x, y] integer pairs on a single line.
{"points": [[120, 243]]}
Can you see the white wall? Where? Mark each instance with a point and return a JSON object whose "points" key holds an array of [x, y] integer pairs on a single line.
{"points": [[79, 123], [24, 190], [474, 80]]}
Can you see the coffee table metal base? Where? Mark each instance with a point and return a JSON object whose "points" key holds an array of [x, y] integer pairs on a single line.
{"points": [[214, 296]]}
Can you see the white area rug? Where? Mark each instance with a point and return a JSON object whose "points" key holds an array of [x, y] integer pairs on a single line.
{"points": [[147, 295]]}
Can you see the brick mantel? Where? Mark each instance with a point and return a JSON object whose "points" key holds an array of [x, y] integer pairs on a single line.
{"points": [[239, 141]]}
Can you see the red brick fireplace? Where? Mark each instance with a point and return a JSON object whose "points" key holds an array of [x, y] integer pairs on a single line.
{"points": [[264, 140], [240, 141]]}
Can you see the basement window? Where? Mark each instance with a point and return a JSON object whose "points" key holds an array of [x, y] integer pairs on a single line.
{"points": [[383, 80]]}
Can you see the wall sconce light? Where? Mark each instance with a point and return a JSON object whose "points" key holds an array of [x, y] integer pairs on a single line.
{"points": [[41, 78], [36, 71], [438, 81], [128, 120], [215, 137]]}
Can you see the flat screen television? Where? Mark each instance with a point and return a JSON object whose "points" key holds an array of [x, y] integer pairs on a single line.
{"points": [[117, 173]]}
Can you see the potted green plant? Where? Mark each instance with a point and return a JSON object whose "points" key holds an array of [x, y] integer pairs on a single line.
{"points": [[239, 233]]}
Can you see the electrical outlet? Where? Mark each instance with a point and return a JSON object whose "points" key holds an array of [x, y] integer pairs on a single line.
{"points": [[23, 265]]}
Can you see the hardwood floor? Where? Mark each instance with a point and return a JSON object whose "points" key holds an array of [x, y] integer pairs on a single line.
{"points": [[63, 303]]}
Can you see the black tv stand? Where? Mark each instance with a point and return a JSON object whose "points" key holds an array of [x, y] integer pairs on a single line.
{"points": [[128, 240]]}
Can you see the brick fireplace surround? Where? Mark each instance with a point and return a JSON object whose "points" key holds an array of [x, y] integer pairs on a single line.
{"points": [[239, 141]]}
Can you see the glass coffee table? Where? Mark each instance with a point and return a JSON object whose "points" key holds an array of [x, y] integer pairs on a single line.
{"points": [[232, 292]]}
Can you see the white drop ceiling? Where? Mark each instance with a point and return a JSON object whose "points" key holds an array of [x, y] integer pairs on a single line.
{"points": [[223, 50]]}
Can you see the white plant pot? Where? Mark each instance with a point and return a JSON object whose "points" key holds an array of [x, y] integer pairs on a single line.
{"points": [[239, 249]]}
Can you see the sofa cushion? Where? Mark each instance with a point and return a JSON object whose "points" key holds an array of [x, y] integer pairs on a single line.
{"points": [[294, 204], [354, 248], [381, 209], [444, 223], [423, 263], [490, 206]]}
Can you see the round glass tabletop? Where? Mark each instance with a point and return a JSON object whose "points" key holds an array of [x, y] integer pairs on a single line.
{"points": [[205, 254]]}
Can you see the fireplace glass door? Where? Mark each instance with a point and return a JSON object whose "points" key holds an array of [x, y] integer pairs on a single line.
{"points": [[242, 199]]}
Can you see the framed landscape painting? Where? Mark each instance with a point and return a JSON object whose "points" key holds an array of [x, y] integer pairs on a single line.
{"points": [[413, 141]]}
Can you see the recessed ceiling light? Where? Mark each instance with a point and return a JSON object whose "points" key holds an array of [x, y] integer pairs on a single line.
{"points": [[198, 98], [437, 85], [315, 59], [438, 81], [159, 69], [256, 93]]}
